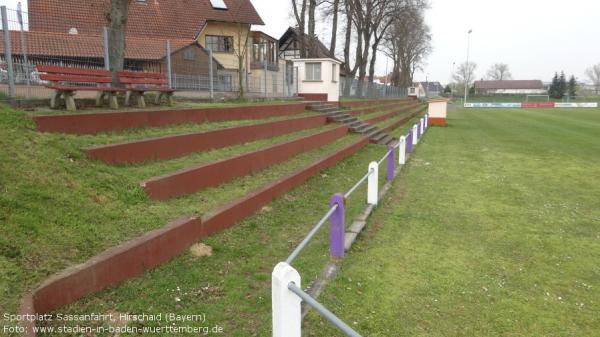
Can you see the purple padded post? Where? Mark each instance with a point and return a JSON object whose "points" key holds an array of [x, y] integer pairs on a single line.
{"points": [[391, 162], [337, 229]]}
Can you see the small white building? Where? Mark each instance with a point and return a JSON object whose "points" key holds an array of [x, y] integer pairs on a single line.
{"points": [[417, 91], [318, 79]]}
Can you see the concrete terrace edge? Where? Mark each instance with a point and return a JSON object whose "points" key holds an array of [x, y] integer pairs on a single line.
{"points": [[92, 123], [169, 147]]}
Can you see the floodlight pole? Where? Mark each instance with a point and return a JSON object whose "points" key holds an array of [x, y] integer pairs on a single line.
{"points": [[467, 72]]}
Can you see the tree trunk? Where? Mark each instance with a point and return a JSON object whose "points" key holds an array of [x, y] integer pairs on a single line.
{"points": [[334, 27], [301, 21], [363, 61], [312, 8], [117, 27]]}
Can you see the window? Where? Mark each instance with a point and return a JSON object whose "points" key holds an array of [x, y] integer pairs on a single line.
{"points": [[189, 55], [334, 75], [313, 71], [218, 4], [221, 44]]}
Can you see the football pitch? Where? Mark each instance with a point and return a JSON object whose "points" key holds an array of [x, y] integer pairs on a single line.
{"points": [[492, 230]]}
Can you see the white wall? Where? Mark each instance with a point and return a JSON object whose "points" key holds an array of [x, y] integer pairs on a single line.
{"points": [[327, 85]]}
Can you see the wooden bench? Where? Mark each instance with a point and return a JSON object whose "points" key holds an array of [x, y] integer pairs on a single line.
{"points": [[138, 83], [66, 81]]}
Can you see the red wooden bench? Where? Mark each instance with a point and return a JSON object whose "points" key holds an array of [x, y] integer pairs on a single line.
{"points": [[66, 81], [138, 83]]}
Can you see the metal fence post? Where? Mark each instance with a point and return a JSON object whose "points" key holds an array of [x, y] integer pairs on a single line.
{"points": [[286, 306], [415, 134], [105, 46], [402, 150], [169, 69], [210, 74], [265, 81], [8, 53], [391, 164], [373, 184], [338, 227]]}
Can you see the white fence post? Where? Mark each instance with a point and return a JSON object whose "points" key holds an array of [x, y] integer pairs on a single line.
{"points": [[373, 184], [422, 125], [426, 121], [415, 135], [402, 151], [287, 315]]}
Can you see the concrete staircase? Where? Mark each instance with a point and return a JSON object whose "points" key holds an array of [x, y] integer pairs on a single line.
{"points": [[375, 134]]}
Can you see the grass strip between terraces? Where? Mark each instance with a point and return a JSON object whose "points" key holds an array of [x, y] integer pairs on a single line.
{"points": [[171, 130], [393, 120]]}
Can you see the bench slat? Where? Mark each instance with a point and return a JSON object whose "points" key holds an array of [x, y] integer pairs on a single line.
{"points": [[72, 71], [75, 78], [128, 80], [139, 74], [75, 88]]}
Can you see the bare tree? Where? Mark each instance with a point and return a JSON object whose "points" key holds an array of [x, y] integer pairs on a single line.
{"points": [[593, 74], [465, 74], [350, 69], [117, 23], [407, 43], [300, 15], [499, 72], [240, 48]]}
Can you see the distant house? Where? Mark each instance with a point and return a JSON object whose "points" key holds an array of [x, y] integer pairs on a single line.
{"points": [[292, 41], [142, 54], [215, 25], [432, 88], [522, 87]]}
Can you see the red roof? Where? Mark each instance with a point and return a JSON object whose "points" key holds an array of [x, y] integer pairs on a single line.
{"points": [[509, 84], [173, 19], [67, 45]]}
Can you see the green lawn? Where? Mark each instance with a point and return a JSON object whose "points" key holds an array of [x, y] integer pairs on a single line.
{"points": [[493, 229]]}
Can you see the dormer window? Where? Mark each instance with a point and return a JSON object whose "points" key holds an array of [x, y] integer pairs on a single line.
{"points": [[218, 4]]}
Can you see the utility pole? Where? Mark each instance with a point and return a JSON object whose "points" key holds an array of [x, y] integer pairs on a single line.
{"points": [[468, 67]]}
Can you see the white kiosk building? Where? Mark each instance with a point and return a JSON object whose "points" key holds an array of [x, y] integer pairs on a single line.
{"points": [[318, 79]]}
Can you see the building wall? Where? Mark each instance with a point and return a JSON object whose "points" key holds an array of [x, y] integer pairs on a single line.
{"points": [[198, 66], [513, 92], [228, 60]]}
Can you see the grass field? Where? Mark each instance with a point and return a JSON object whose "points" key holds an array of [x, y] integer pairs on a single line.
{"points": [[493, 229]]}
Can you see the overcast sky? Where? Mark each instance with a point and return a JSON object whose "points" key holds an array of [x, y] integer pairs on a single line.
{"points": [[534, 37]]}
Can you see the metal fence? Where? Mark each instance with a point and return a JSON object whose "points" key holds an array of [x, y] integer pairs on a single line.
{"points": [[354, 88], [32, 39], [287, 294]]}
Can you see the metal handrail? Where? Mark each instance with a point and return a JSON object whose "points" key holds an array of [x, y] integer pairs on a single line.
{"points": [[357, 185], [328, 315], [310, 235], [387, 154]]}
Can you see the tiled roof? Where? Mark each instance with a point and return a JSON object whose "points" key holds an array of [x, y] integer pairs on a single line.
{"points": [[88, 46], [509, 84], [294, 33], [173, 19]]}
